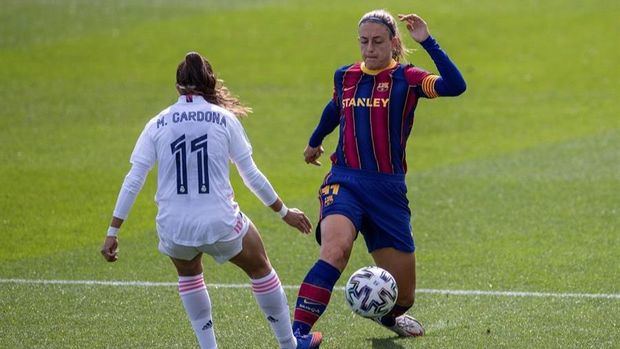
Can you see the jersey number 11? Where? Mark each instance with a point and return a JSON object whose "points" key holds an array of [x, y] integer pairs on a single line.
{"points": [[199, 146]]}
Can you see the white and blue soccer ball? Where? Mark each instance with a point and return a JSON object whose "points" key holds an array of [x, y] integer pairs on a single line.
{"points": [[371, 292]]}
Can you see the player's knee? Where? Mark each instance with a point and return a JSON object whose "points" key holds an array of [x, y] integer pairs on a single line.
{"points": [[188, 268], [336, 256], [259, 271], [256, 265]]}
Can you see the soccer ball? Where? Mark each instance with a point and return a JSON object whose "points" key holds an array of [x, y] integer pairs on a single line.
{"points": [[371, 292]]}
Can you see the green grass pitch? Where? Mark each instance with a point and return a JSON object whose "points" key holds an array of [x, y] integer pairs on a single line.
{"points": [[515, 186]]}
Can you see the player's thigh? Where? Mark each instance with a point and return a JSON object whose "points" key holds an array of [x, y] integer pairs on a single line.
{"points": [[186, 259], [337, 236], [253, 258], [402, 267], [387, 220], [188, 267]]}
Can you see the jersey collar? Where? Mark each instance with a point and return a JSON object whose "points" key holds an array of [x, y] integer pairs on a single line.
{"points": [[392, 64], [186, 99]]}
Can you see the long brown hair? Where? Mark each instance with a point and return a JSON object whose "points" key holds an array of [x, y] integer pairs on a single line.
{"points": [[195, 76]]}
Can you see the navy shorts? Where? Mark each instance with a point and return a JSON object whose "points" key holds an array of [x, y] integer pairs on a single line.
{"points": [[376, 203]]}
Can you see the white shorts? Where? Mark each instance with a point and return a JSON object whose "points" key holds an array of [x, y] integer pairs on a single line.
{"points": [[222, 250]]}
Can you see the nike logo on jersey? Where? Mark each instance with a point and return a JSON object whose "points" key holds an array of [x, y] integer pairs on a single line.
{"points": [[349, 88]]}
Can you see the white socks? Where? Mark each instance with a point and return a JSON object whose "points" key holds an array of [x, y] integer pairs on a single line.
{"points": [[269, 295], [271, 298], [195, 297]]}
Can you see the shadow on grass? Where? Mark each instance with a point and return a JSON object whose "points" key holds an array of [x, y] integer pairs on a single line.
{"points": [[385, 343]]}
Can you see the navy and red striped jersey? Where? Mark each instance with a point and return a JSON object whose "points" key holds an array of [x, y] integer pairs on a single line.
{"points": [[375, 110], [376, 114]]}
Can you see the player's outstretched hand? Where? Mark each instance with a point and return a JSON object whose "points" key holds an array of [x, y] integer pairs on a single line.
{"points": [[312, 154], [297, 219], [109, 250], [416, 26]]}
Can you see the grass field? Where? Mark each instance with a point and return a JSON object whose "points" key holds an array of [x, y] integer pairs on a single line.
{"points": [[515, 186]]}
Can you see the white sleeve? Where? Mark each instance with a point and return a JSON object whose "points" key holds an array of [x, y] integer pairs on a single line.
{"points": [[144, 152], [255, 180], [240, 146], [129, 191], [142, 159]]}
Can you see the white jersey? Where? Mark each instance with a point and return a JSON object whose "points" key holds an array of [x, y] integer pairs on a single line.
{"points": [[193, 141]]}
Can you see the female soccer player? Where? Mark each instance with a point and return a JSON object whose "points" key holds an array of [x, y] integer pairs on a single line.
{"points": [[374, 103], [192, 141]]}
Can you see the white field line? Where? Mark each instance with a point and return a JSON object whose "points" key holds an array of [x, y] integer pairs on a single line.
{"points": [[420, 291]]}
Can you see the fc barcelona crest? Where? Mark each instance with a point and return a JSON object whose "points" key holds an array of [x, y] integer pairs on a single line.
{"points": [[383, 86]]}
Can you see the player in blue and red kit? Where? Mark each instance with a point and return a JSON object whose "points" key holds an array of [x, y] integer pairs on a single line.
{"points": [[365, 191]]}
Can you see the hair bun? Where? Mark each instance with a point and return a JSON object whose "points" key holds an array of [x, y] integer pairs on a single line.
{"points": [[193, 57]]}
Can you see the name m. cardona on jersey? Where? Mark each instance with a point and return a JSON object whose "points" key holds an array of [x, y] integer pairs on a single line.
{"points": [[206, 116]]}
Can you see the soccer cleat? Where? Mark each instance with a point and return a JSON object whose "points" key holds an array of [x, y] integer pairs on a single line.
{"points": [[309, 341], [405, 326]]}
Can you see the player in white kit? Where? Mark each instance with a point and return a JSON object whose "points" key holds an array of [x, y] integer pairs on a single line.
{"points": [[192, 142]]}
